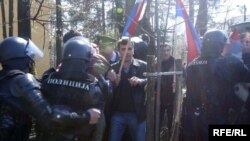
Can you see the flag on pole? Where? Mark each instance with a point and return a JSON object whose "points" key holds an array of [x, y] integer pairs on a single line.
{"points": [[192, 38], [135, 15], [235, 45]]}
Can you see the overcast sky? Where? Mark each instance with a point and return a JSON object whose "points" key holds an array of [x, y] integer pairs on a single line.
{"points": [[234, 7]]}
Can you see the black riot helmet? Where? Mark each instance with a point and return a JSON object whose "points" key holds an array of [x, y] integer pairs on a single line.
{"points": [[17, 47], [77, 48], [213, 43], [16, 52]]}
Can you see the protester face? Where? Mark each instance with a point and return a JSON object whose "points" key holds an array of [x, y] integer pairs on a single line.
{"points": [[245, 43], [166, 52], [130, 52], [107, 52]]}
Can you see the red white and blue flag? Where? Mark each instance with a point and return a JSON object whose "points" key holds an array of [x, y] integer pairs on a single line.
{"points": [[235, 45], [192, 38], [135, 15]]}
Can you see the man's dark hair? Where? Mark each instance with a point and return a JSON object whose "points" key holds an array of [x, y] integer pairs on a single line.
{"points": [[145, 38], [165, 45], [124, 41], [70, 34]]}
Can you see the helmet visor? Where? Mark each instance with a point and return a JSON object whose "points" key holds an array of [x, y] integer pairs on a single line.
{"points": [[33, 51]]}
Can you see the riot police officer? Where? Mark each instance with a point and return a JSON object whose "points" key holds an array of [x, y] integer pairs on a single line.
{"points": [[210, 87], [72, 87], [21, 97]]}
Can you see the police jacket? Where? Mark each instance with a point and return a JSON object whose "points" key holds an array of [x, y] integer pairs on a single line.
{"points": [[137, 68], [15, 122], [75, 92], [246, 58], [210, 86], [21, 99]]}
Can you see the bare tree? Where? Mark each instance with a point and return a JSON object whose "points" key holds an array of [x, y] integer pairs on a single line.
{"points": [[103, 17], [3, 19], [191, 11], [202, 17], [11, 16], [24, 28], [38, 10], [59, 28]]}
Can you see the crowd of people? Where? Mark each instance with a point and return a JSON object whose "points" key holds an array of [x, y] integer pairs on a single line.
{"points": [[72, 101], [97, 92]]}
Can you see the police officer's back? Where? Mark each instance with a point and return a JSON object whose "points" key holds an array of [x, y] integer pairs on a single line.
{"points": [[16, 58], [72, 88], [20, 94], [210, 81]]}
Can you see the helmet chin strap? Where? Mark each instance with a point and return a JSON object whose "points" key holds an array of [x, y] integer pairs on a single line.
{"points": [[31, 66]]}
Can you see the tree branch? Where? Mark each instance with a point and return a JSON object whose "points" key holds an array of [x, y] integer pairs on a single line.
{"points": [[39, 9]]}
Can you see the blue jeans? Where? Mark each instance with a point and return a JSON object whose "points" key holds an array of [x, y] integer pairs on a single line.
{"points": [[120, 122], [141, 131]]}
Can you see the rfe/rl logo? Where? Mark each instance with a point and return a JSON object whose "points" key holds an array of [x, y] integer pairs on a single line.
{"points": [[229, 132]]}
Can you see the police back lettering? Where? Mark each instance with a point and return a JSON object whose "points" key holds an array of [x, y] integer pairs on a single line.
{"points": [[199, 62], [77, 93], [69, 83]]}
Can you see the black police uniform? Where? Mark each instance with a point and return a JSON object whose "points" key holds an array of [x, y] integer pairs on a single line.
{"points": [[17, 90], [11, 128], [210, 88], [246, 58], [71, 88], [21, 97], [75, 93]]}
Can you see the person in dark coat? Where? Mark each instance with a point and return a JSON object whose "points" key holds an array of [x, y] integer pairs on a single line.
{"points": [[210, 93], [140, 48], [128, 111], [71, 87], [20, 95], [245, 45], [167, 83]]}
